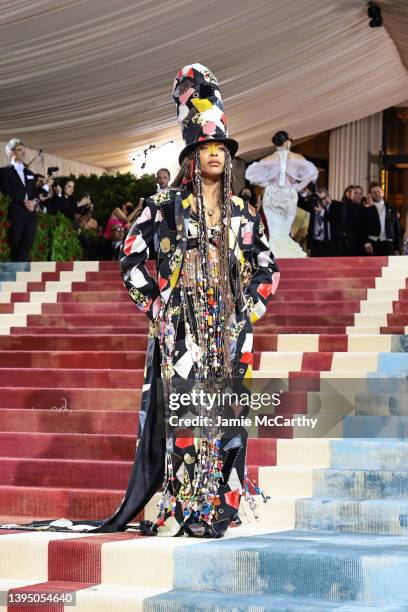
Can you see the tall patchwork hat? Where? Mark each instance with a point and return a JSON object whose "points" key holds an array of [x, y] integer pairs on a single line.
{"points": [[200, 110]]}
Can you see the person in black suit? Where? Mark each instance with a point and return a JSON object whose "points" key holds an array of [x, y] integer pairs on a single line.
{"points": [[55, 203], [380, 225], [18, 183], [69, 205], [326, 224], [352, 229]]}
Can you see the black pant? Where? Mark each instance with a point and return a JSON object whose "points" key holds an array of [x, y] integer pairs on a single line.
{"points": [[321, 248], [352, 246], [382, 247], [22, 231]]}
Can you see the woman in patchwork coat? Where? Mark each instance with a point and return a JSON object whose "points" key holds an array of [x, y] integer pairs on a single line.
{"points": [[215, 277]]}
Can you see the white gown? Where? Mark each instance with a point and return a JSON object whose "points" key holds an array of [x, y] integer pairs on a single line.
{"points": [[282, 179]]}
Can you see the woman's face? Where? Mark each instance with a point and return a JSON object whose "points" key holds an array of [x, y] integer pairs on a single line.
{"points": [[212, 159], [69, 188]]}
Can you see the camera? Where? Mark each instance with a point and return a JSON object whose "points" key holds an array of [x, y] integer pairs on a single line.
{"points": [[52, 169], [316, 199]]}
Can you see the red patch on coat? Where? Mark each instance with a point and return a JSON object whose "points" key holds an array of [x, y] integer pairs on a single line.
{"points": [[232, 498], [186, 440], [162, 282], [128, 244], [247, 358], [265, 289]]}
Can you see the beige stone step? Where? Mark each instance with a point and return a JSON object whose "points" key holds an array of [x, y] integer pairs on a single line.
{"points": [[298, 342], [370, 320], [363, 331], [286, 481], [308, 453], [13, 320]]}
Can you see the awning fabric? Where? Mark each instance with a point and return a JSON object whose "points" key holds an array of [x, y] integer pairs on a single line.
{"points": [[90, 80]]}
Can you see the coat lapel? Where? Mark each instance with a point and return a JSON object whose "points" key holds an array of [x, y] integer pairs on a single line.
{"points": [[169, 270], [16, 175], [389, 220]]}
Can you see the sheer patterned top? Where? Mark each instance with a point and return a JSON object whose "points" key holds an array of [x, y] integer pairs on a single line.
{"points": [[191, 269]]}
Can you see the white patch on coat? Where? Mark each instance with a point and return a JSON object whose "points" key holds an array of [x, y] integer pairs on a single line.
{"points": [[247, 346], [183, 365], [137, 278], [145, 215]]}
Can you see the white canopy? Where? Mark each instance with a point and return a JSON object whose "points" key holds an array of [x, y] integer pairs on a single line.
{"points": [[91, 80]]}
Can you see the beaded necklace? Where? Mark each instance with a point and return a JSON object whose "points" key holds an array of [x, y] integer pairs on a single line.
{"points": [[201, 303], [206, 301]]}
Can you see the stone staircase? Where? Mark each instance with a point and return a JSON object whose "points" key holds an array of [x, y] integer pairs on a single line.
{"points": [[333, 534]]}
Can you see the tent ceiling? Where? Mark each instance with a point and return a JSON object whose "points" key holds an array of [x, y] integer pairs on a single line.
{"points": [[395, 17], [91, 79]]}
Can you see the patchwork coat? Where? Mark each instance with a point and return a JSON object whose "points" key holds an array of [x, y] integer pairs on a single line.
{"points": [[161, 231]]}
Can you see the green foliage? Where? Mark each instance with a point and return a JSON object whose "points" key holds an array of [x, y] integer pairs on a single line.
{"points": [[4, 227], [110, 190], [65, 245], [41, 247], [56, 239]]}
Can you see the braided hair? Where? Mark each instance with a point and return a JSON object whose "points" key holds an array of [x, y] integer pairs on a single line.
{"points": [[190, 173]]}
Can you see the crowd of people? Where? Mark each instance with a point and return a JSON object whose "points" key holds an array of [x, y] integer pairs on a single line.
{"points": [[296, 211], [322, 227], [354, 226], [31, 192]]}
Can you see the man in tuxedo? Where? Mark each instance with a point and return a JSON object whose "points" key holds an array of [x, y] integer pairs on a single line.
{"points": [[325, 225], [380, 224], [18, 183]]}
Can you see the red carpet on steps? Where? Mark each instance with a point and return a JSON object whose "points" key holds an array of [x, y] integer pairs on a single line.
{"points": [[70, 383]]}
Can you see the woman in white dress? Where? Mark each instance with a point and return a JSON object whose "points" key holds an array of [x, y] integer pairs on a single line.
{"points": [[283, 174]]}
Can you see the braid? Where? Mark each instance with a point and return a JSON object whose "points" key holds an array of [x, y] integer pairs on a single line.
{"points": [[203, 249], [203, 235], [227, 301], [190, 172]]}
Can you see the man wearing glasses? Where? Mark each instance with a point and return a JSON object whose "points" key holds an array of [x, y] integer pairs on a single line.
{"points": [[18, 183]]}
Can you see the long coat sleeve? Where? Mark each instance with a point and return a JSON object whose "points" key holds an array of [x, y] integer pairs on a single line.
{"points": [[142, 287], [265, 273]]}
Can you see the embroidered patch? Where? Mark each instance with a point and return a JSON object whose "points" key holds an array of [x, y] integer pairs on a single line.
{"points": [[165, 244], [138, 297]]}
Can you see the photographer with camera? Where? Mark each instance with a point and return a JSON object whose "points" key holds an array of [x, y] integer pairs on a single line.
{"points": [[118, 224], [54, 204], [43, 188], [326, 223], [80, 214], [18, 183], [41, 191], [70, 207]]}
